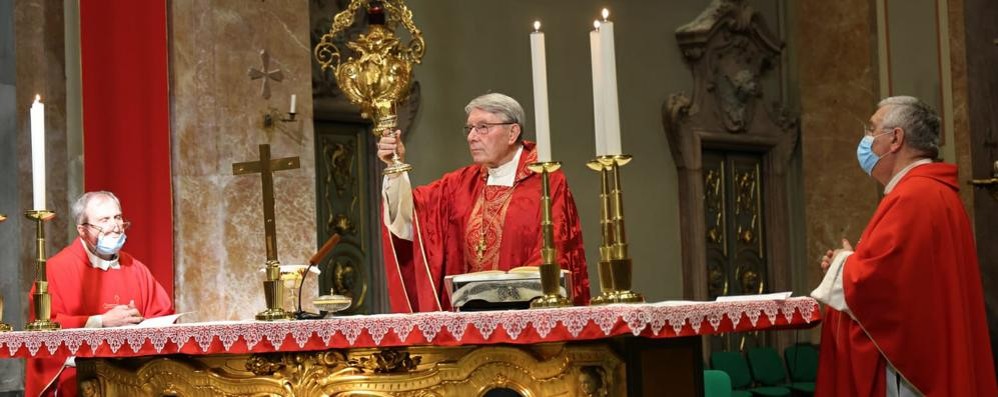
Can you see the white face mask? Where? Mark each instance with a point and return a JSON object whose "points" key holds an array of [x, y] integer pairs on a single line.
{"points": [[109, 245]]}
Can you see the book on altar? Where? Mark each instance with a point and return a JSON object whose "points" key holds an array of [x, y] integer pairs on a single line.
{"points": [[157, 321], [499, 290]]}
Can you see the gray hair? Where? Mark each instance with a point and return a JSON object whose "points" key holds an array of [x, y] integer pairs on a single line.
{"points": [[919, 122], [500, 104], [79, 208]]}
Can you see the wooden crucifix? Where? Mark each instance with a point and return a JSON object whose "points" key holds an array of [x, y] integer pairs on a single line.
{"points": [[266, 167]]}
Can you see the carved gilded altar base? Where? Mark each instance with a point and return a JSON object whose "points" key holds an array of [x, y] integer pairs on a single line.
{"points": [[549, 369]]}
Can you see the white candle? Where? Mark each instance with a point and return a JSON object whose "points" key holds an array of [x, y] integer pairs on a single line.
{"points": [[541, 120], [594, 55], [611, 112], [293, 98], [38, 152]]}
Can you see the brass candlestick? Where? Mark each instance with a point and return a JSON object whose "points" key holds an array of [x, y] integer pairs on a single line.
{"points": [[4, 327], [550, 270], [381, 74], [615, 267], [273, 293], [42, 299]]}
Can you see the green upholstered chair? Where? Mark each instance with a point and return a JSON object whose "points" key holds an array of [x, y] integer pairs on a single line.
{"points": [[735, 366], [802, 363], [767, 370], [716, 383]]}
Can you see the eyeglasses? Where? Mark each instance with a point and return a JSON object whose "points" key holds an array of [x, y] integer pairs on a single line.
{"points": [[109, 224], [481, 128], [870, 130]]}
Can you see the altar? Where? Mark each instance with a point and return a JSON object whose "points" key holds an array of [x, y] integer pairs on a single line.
{"points": [[614, 350]]}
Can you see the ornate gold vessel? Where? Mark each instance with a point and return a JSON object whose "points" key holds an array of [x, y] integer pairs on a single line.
{"points": [[379, 73]]}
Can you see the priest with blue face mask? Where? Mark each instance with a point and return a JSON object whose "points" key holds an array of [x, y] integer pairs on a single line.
{"points": [[905, 308], [93, 283]]}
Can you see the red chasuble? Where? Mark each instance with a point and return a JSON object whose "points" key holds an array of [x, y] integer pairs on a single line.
{"points": [[460, 225], [79, 291], [914, 287]]}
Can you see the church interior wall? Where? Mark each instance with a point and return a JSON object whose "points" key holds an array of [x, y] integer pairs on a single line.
{"points": [[10, 200], [217, 119]]}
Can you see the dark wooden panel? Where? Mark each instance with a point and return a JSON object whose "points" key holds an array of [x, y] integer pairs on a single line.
{"points": [[982, 80]]}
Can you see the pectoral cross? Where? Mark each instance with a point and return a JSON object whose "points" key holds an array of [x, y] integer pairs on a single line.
{"points": [[266, 167], [480, 249]]}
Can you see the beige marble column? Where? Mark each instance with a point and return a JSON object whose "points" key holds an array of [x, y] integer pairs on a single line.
{"points": [[838, 88], [217, 119], [40, 58]]}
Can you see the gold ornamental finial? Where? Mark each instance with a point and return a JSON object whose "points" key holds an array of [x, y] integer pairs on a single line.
{"points": [[380, 73]]}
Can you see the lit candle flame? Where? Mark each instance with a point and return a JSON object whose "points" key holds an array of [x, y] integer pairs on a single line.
{"points": [[596, 24], [537, 26], [606, 14]]}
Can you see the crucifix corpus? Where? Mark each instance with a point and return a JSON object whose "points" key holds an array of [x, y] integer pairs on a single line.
{"points": [[273, 288]]}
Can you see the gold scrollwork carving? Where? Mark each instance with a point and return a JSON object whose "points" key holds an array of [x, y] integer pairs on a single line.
{"points": [[714, 200], [382, 72], [387, 361], [419, 371]]}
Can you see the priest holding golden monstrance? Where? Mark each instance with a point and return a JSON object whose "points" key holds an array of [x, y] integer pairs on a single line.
{"points": [[477, 218]]}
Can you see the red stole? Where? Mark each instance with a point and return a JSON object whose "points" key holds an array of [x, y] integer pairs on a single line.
{"points": [[449, 218], [80, 291], [914, 287]]}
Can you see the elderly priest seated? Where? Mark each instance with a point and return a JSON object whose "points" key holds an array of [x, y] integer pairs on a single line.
{"points": [[94, 284], [485, 216]]}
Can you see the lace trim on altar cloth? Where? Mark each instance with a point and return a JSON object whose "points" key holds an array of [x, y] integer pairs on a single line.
{"points": [[654, 320]]}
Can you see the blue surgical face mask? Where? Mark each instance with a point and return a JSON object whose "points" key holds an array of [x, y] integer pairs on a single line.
{"points": [[110, 244], [864, 153]]}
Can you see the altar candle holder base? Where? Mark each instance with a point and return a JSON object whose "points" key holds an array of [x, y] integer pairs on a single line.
{"points": [[550, 271], [42, 299], [550, 284], [621, 271], [273, 292], [386, 126], [606, 285]]}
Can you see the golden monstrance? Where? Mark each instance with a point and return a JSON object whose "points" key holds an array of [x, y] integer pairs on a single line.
{"points": [[378, 73]]}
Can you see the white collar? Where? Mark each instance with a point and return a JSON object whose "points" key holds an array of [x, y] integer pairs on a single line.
{"points": [[97, 262], [505, 175], [897, 177]]}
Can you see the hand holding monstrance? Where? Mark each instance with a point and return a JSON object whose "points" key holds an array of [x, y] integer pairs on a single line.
{"points": [[380, 75]]}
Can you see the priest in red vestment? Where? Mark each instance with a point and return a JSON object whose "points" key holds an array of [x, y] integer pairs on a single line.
{"points": [[94, 284], [485, 216], [905, 312]]}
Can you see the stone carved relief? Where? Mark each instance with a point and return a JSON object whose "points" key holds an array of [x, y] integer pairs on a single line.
{"points": [[730, 52]]}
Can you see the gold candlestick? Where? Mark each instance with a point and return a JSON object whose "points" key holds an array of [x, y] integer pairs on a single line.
{"points": [[42, 299], [550, 270], [615, 267], [4, 327]]}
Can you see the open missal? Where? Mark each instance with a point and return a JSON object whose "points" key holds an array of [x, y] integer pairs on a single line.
{"points": [[499, 290]]}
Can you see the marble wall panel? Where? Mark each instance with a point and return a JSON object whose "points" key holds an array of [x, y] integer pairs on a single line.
{"points": [[218, 120], [838, 85]]}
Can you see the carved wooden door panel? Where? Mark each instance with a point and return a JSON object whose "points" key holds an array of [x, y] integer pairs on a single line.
{"points": [[734, 220], [344, 205], [733, 213]]}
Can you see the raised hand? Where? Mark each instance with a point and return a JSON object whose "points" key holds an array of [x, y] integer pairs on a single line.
{"points": [[390, 144]]}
